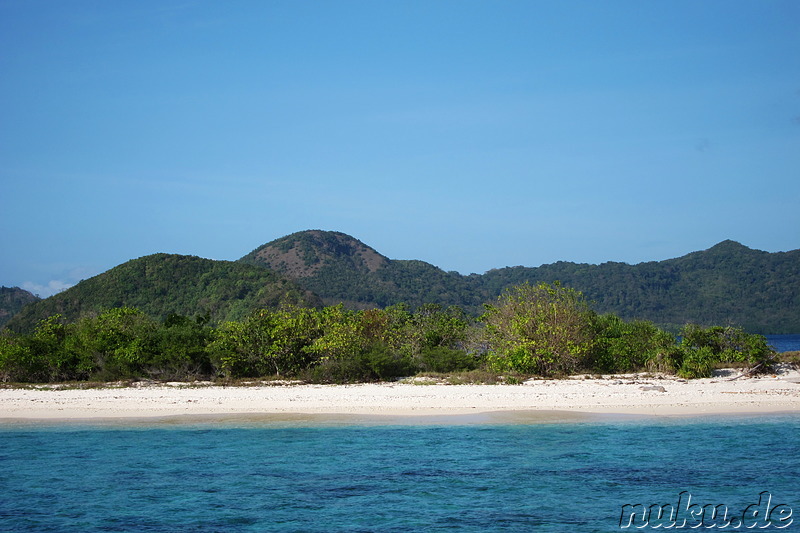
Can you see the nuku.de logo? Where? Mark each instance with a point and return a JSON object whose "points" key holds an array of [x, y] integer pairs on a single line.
{"points": [[688, 515]]}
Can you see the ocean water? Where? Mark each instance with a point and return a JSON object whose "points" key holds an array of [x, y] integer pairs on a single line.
{"points": [[307, 475], [784, 343]]}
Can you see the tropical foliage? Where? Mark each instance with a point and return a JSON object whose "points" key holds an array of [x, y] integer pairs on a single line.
{"points": [[704, 348], [539, 329], [544, 329]]}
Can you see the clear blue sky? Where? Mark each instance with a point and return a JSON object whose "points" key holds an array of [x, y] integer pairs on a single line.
{"points": [[468, 134]]}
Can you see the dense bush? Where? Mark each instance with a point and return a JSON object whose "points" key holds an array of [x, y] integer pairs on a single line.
{"points": [[697, 363], [539, 329], [443, 359], [181, 349], [266, 343], [18, 363], [543, 329], [628, 346], [704, 348], [378, 362]]}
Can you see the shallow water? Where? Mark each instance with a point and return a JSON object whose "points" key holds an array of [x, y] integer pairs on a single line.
{"points": [[559, 473]]}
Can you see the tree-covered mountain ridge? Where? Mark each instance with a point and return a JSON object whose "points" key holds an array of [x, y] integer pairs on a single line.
{"points": [[12, 300], [164, 284], [728, 283]]}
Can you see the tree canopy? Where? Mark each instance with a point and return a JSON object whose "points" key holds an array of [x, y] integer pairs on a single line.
{"points": [[544, 329]]}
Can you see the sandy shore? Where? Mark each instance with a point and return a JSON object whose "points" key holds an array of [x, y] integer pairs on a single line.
{"points": [[629, 394]]}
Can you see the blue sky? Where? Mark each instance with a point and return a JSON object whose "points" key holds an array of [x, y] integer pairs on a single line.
{"points": [[468, 134]]}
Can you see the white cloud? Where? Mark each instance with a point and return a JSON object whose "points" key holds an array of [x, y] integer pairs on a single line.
{"points": [[43, 291]]}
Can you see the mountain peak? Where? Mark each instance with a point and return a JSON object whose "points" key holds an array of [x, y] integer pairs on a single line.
{"points": [[729, 247], [302, 254], [728, 244]]}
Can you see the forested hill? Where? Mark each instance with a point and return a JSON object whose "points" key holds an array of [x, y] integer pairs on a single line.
{"points": [[162, 284], [340, 268], [12, 300], [726, 284]]}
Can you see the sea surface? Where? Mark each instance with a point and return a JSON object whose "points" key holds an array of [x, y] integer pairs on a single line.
{"points": [[559, 473], [784, 343]]}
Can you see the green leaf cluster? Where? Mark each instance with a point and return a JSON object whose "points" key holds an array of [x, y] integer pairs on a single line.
{"points": [[539, 329], [705, 348], [627, 346], [120, 343]]}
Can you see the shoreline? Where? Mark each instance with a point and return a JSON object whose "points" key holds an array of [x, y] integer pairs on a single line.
{"points": [[292, 420], [625, 395]]}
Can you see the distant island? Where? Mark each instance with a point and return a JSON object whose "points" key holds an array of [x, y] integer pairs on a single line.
{"points": [[728, 284], [323, 307]]}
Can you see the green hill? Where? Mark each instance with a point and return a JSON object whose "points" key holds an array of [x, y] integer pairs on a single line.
{"points": [[340, 268], [161, 284], [12, 300], [726, 284]]}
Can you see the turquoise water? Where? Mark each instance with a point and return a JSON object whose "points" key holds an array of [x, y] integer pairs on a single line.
{"points": [[306, 476]]}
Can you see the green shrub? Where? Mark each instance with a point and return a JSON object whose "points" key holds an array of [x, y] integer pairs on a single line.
{"points": [[376, 363], [729, 345], [665, 361], [697, 363], [18, 363], [628, 346], [442, 359], [181, 350], [539, 329], [266, 343], [386, 364]]}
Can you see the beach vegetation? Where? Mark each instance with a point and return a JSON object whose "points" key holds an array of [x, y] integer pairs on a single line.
{"points": [[544, 330], [267, 342], [792, 358], [181, 349], [697, 363], [627, 346], [703, 349], [117, 344], [444, 359], [16, 361]]}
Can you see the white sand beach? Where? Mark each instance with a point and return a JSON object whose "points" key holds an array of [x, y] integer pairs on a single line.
{"points": [[624, 394]]}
